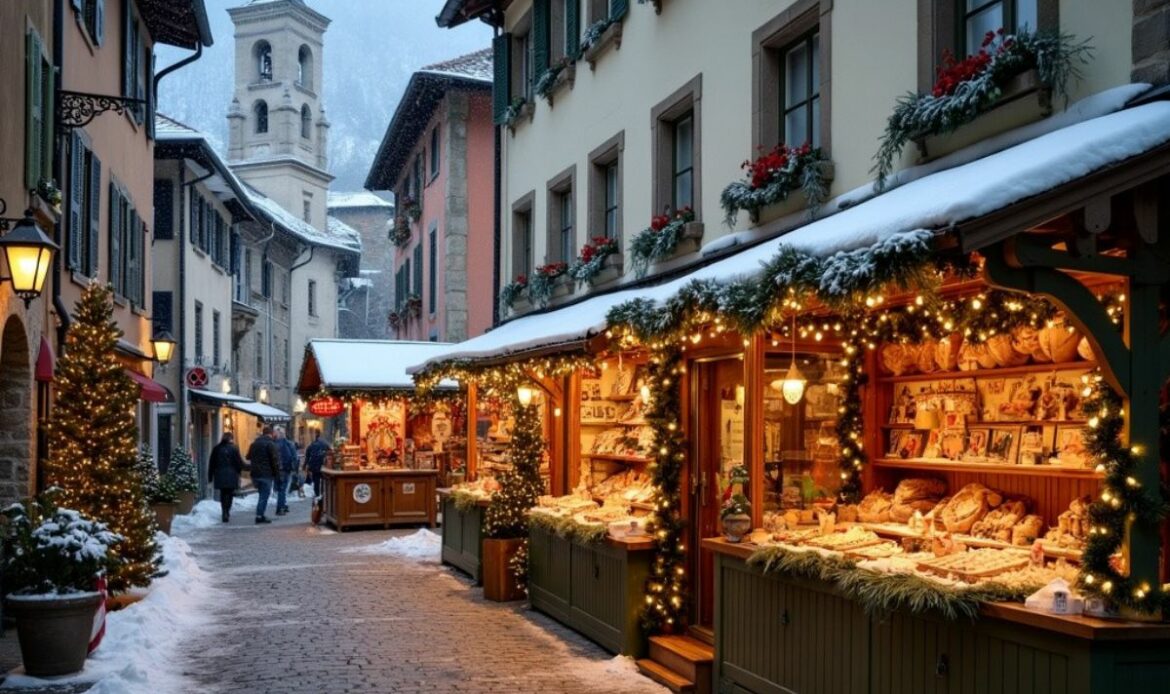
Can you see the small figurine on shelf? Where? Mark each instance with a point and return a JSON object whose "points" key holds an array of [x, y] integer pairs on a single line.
{"points": [[736, 516]]}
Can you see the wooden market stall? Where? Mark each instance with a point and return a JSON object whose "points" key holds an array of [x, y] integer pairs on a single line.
{"points": [[392, 448]]}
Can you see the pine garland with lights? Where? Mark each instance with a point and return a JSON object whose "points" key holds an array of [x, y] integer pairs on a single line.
{"points": [[666, 586], [506, 517], [93, 439]]}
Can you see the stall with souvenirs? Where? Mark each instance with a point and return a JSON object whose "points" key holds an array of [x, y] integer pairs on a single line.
{"points": [[392, 448]]}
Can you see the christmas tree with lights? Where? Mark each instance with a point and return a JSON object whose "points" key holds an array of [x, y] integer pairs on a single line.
{"points": [[507, 516], [93, 439]]}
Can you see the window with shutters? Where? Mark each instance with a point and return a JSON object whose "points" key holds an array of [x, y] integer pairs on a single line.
{"points": [[85, 195], [433, 271], [522, 237], [523, 59], [434, 152], [39, 86], [312, 297], [605, 183], [91, 17], [136, 61], [285, 363], [560, 241], [216, 351], [790, 78], [198, 332], [259, 354], [958, 26], [675, 138]]}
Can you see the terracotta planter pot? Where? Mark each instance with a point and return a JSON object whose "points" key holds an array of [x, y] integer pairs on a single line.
{"points": [[736, 526], [186, 502], [54, 634], [499, 581], [164, 514]]}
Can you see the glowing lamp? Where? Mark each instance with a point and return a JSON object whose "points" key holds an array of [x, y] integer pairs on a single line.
{"points": [[525, 394], [164, 346], [262, 396], [644, 391], [29, 253], [792, 385]]}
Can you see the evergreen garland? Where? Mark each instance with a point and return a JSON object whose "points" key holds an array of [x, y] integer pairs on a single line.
{"points": [[544, 281], [567, 527], [1056, 58], [400, 233], [507, 516], [182, 471], [513, 112], [591, 261], [93, 439], [772, 177], [666, 586], [594, 31], [659, 240], [464, 501], [512, 291]]}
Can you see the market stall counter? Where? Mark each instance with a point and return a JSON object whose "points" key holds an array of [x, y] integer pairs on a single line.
{"points": [[357, 498], [819, 638]]}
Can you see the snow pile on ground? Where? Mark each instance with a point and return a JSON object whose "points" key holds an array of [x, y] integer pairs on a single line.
{"points": [[138, 652], [422, 545], [206, 513]]}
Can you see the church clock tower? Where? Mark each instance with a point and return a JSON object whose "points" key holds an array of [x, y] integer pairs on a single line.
{"points": [[277, 129]]}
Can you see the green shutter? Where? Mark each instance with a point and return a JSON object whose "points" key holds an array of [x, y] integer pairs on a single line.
{"points": [[95, 216], [127, 49], [618, 9], [133, 259], [502, 81], [540, 35], [48, 118], [572, 28], [117, 229], [418, 267], [34, 111], [99, 21], [77, 217]]}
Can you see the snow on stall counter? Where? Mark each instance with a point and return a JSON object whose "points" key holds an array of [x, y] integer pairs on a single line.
{"points": [[138, 652], [423, 545]]}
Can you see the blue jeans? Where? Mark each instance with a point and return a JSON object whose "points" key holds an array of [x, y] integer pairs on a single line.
{"points": [[282, 491], [264, 488]]}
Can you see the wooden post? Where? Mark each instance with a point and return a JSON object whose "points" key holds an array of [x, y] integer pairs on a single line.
{"points": [[1142, 335], [472, 421], [753, 430]]}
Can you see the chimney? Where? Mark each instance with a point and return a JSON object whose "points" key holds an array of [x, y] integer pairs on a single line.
{"points": [[1151, 42]]}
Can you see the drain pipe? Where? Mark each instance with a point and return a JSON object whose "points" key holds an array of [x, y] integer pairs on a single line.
{"points": [[171, 68], [59, 306]]}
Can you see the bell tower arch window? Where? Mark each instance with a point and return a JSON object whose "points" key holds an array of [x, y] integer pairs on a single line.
{"points": [[305, 67], [306, 122], [263, 55]]}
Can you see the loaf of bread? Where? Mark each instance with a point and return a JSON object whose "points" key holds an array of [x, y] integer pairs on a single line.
{"points": [[999, 522], [970, 504], [1027, 530], [1058, 343], [1026, 341], [1002, 351], [915, 494], [875, 508]]}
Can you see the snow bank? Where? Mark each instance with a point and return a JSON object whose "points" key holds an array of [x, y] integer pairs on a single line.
{"points": [[138, 652], [423, 545], [205, 514]]}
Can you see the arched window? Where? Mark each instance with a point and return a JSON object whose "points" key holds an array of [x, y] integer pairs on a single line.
{"points": [[305, 67], [263, 53], [306, 122], [261, 112]]}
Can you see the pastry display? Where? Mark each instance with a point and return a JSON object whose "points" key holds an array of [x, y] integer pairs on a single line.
{"points": [[853, 538], [1027, 530], [875, 508], [915, 495], [976, 563], [969, 504], [999, 523], [1072, 525]]}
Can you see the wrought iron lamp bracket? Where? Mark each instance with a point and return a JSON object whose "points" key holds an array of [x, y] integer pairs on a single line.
{"points": [[78, 109]]}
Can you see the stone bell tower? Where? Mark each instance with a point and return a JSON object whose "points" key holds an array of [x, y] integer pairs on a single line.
{"points": [[277, 130]]}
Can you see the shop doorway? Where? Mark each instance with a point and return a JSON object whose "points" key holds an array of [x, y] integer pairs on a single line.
{"points": [[717, 447], [15, 413]]}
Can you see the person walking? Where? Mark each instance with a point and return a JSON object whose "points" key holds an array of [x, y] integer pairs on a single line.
{"points": [[315, 456], [223, 472], [288, 469], [265, 466]]}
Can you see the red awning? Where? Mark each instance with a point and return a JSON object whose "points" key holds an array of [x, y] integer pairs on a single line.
{"points": [[151, 390], [45, 362]]}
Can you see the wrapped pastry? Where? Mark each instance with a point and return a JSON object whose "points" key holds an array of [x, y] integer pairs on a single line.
{"points": [[934, 518], [1026, 341], [1059, 343], [1086, 350], [1027, 530], [913, 495], [892, 358], [925, 361], [999, 522], [1003, 353], [946, 352], [970, 504], [847, 513], [975, 356], [875, 508]]}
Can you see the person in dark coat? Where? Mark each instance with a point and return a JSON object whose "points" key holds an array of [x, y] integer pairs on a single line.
{"points": [[315, 456], [223, 471], [264, 463], [287, 452]]}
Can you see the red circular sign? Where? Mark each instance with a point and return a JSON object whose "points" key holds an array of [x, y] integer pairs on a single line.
{"points": [[196, 377], [327, 406]]}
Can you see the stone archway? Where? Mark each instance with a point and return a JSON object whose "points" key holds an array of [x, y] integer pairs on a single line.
{"points": [[15, 413]]}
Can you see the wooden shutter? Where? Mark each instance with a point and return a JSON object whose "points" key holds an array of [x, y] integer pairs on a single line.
{"points": [[77, 218], [99, 21], [48, 118], [95, 214], [418, 268], [127, 49], [618, 9], [502, 80], [164, 209], [117, 231], [34, 111], [572, 28], [541, 18], [133, 274]]}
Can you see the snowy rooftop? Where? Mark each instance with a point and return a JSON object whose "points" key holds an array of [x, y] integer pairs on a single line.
{"points": [[343, 232], [365, 364], [1090, 136], [360, 198], [476, 66], [298, 227]]}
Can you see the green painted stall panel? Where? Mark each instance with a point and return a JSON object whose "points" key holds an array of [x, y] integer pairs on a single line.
{"points": [[462, 538], [548, 574]]}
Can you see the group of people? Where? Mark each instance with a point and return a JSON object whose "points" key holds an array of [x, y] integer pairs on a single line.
{"points": [[273, 461]]}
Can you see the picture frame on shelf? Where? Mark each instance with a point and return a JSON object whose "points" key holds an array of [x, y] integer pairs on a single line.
{"points": [[904, 407], [1003, 444], [911, 444], [820, 403], [933, 447], [896, 436], [1069, 447], [975, 449], [952, 443], [1036, 441]]}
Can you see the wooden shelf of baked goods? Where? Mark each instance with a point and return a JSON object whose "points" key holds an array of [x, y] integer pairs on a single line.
{"points": [[990, 373], [1003, 422], [899, 530], [616, 458], [953, 466]]}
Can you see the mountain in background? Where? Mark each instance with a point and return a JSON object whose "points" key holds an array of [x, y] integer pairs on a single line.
{"points": [[371, 49]]}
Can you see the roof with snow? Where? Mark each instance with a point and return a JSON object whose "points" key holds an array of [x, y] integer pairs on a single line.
{"points": [[181, 23], [353, 366], [1095, 134], [343, 232], [424, 92], [356, 199]]}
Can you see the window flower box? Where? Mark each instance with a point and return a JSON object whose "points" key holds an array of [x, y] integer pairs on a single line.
{"points": [[555, 78], [519, 110], [414, 306], [599, 261], [666, 239], [514, 295], [607, 32], [777, 183], [611, 270], [550, 281]]}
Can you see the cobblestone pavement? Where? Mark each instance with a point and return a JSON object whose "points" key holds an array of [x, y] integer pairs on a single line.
{"points": [[305, 616]]}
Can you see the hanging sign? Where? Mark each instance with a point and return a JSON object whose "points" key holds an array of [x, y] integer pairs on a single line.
{"points": [[362, 493], [327, 406], [196, 377]]}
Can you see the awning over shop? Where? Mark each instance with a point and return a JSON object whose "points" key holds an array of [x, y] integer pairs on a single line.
{"points": [[355, 366], [150, 390], [1088, 137], [266, 413]]}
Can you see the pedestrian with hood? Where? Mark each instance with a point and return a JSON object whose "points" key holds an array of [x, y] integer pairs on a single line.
{"points": [[223, 472], [264, 460], [287, 453]]}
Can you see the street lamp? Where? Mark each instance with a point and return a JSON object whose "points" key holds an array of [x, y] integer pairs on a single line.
{"points": [[164, 347], [29, 253]]}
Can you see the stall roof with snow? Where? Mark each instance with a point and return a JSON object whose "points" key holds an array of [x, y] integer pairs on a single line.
{"points": [[1092, 137], [342, 367]]}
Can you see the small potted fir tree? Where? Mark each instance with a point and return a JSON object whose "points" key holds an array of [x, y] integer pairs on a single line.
{"points": [[184, 478], [159, 490], [54, 558]]}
